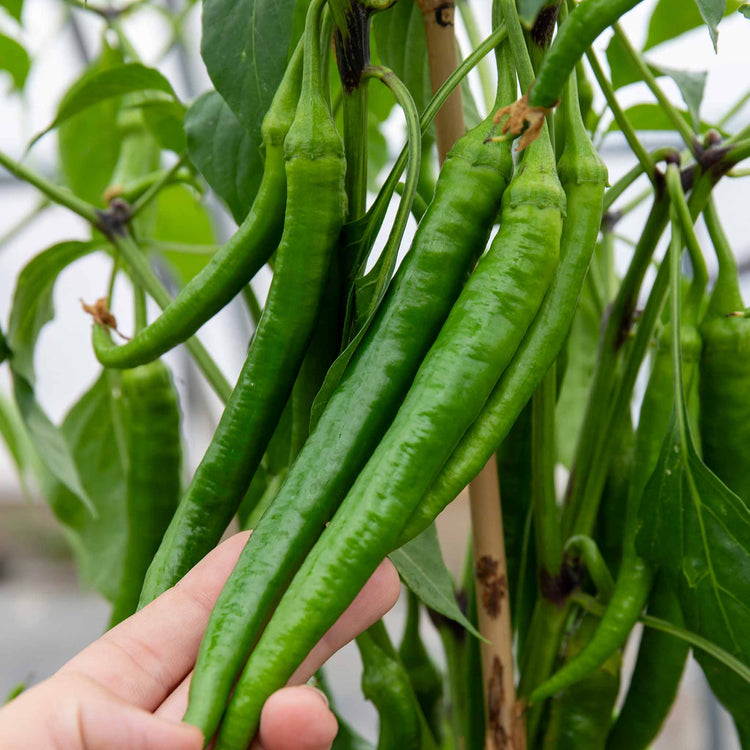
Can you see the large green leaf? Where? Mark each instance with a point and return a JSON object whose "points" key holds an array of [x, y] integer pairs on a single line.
{"points": [[32, 309], [691, 83], [420, 564], [695, 528], [89, 142], [245, 46], [17, 441], [14, 60], [91, 429], [165, 121], [109, 83], [671, 18], [402, 46], [14, 7], [182, 218], [653, 117], [33, 305], [225, 153]]}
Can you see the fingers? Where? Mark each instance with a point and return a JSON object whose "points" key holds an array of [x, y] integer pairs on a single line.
{"points": [[296, 718], [74, 712], [378, 596], [145, 657]]}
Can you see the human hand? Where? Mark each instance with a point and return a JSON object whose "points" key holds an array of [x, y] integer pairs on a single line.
{"points": [[129, 689]]}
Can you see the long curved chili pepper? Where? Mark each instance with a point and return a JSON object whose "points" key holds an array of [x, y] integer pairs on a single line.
{"points": [[479, 338], [584, 177], [724, 373], [359, 411], [587, 20], [656, 677], [580, 716], [315, 213], [236, 262], [152, 428]]}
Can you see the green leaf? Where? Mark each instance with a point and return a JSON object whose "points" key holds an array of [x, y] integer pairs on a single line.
{"points": [[33, 305], [107, 84], [164, 119], [245, 46], [90, 429], [14, 59], [699, 531], [182, 218], [16, 438], [420, 564], [402, 46], [653, 117], [32, 308], [712, 11], [227, 156], [671, 18], [623, 72], [89, 142], [14, 7], [744, 10]]}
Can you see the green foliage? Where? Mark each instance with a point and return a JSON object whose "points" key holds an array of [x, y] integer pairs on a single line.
{"points": [[14, 59]]}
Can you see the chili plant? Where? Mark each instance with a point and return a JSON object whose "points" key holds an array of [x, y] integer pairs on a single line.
{"points": [[374, 390]]}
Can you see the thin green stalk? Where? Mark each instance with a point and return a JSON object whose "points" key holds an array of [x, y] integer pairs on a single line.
{"points": [[698, 262], [627, 129], [630, 177], [157, 186], [355, 147], [739, 173], [544, 502], [585, 549], [387, 260], [685, 131], [143, 275], [186, 248], [484, 69], [59, 195], [139, 299], [113, 278], [517, 43], [597, 609], [734, 109]]}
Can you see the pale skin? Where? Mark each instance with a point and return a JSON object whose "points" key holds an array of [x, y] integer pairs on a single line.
{"points": [[129, 689]]}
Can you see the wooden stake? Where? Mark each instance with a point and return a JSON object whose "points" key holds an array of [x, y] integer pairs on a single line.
{"points": [[504, 728], [441, 51]]}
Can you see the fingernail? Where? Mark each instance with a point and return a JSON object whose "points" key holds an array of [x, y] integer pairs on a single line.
{"points": [[322, 695]]}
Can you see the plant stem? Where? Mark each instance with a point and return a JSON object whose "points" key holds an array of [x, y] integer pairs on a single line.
{"points": [[493, 609], [443, 59], [685, 131], [143, 275], [156, 187], [355, 146], [734, 109], [59, 195], [584, 547], [484, 69], [630, 177], [627, 129], [544, 502]]}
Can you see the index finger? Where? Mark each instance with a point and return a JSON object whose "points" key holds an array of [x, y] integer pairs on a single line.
{"points": [[145, 657]]}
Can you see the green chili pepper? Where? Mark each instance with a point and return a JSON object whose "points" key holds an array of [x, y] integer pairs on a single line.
{"points": [[426, 680], [236, 262], [386, 683], [585, 23], [658, 669], [580, 716], [636, 576], [583, 176], [475, 345], [444, 250], [152, 426], [725, 373], [314, 167]]}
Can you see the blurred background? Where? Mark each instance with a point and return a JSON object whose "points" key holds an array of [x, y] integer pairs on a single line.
{"points": [[45, 613]]}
